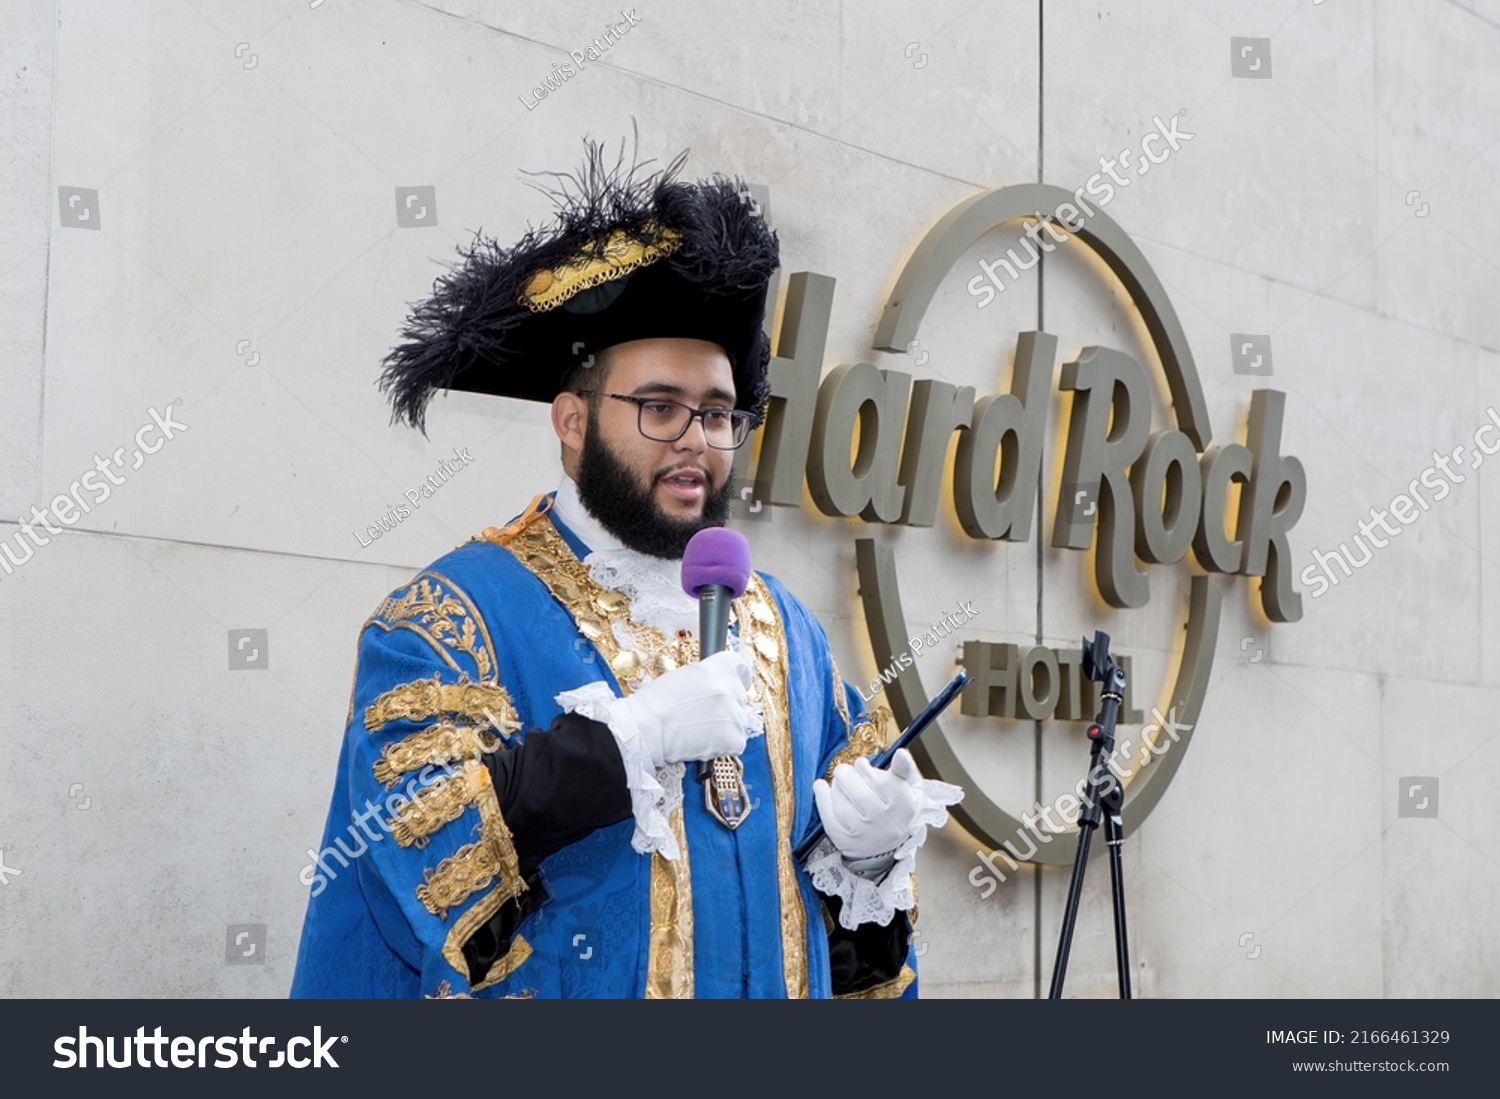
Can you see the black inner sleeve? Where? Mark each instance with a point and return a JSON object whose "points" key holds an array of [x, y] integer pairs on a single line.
{"points": [[554, 788]]}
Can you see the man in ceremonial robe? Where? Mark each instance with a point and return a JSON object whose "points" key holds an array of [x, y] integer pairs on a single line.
{"points": [[516, 810]]}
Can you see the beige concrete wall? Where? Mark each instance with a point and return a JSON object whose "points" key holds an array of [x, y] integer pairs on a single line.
{"points": [[246, 156]]}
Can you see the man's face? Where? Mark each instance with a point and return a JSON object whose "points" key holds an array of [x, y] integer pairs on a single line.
{"points": [[655, 495]]}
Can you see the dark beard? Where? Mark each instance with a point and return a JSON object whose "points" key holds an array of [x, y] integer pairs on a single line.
{"points": [[608, 489]]}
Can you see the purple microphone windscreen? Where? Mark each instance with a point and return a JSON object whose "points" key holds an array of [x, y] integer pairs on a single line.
{"points": [[716, 555]]}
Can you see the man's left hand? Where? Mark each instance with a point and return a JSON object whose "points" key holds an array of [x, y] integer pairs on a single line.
{"points": [[868, 813]]}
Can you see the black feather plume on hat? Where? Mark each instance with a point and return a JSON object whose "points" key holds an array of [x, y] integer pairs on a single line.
{"points": [[630, 256]]}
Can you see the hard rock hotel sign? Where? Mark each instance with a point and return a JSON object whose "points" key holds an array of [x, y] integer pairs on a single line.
{"points": [[873, 443]]}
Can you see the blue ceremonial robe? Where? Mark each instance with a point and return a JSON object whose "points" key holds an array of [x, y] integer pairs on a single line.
{"points": [[482, 642]]}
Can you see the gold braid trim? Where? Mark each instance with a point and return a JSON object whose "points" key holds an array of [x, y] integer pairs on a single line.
{"points": [[436, 805], [865, 740], [669, 953], [891, 990], [458, 877], [474, 865], [487, 703], [519, 951], [431, 746], [762, 634], [622, 253], [481, 911], [477, 915], [595, 610]]}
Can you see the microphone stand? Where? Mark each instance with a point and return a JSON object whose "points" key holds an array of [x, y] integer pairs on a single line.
{"points": [[1100, 668]]}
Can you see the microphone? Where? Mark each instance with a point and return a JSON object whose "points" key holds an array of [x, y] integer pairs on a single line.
{"points": [[715, 569]]}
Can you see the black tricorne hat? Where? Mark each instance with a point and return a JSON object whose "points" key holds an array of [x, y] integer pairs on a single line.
{"points": [[627, 259]]}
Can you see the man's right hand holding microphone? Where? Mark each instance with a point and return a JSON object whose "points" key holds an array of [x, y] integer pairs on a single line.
{"points": [[694, 712]]}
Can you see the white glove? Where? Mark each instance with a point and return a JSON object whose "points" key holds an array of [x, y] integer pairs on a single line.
{"points": [[869, 813], [697, 711]]}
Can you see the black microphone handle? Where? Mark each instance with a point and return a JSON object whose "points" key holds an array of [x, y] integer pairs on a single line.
{"points": [[713, 619], [713, 637]]}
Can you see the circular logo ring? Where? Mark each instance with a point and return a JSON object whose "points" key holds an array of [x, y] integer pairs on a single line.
{"points": [[925, 270]]}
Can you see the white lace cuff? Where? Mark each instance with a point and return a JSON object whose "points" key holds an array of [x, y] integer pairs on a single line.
{"points": [[653, 793], [867, 901]]}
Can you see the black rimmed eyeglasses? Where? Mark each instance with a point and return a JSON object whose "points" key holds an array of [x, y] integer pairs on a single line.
{"points": [[664, 421]]}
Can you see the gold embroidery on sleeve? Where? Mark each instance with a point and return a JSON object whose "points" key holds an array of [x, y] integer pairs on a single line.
{"points": [[474, 865], [488, 703], [438, 610], [436, 805], [458, 877], [434, 745], [481, 911]]}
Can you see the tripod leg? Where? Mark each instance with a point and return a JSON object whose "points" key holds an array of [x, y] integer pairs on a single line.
{"points": [[1114, 833], [1070, 914]]}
